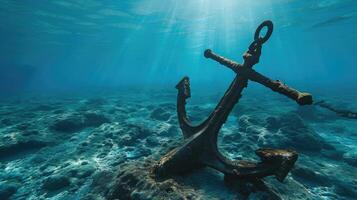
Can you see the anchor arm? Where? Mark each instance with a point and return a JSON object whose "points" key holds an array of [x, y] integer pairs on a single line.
{"points": [[276, 162], [301, 98], [184, 92]]}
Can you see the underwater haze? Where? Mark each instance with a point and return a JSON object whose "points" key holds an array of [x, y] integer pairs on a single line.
{"points": [[71, 44], [87, 95]]}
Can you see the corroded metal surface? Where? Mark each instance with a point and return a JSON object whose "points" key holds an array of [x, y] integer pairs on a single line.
{"points": [[200, 146]]}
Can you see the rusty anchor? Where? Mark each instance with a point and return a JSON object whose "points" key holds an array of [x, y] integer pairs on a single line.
{"points": [[200, 145]]}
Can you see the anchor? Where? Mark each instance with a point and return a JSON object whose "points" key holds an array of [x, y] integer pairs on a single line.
{"points": [[200, 145]]}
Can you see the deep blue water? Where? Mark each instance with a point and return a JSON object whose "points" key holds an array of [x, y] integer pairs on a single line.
{"points": [[87, 89], [66, 44]]}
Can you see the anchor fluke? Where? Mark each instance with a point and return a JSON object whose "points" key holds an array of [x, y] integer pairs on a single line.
{"points": [[284, 159], [184, 87]]}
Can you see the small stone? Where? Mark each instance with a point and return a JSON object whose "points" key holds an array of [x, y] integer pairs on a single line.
{"points": [[150, 141], [23, 126], [59, 111], [96, 102], [84, 163], [6, 191], [44, 108], [332, 154], [78, 122], [68, 125], [311, 176], [85, 171], [272, 123], [55, 182], [350, 159], [94, 120], [160, 114], [6, 122], [290, 131], [20, 147]]}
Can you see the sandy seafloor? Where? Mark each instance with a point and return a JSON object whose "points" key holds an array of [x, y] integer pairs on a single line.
{"points": [[65, 146]]}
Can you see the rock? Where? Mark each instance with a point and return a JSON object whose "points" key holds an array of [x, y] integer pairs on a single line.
{"points": [[6, 122], [245, 122], [80, 171], [168, 106], [44, 108], [289, 120], [133, 133], [135, 181], [85, 171], [55, 182], [152, 142], [290, 131], [310, 176], [68, 125], [300, 139], [6, 191], [94, 120], [58, 111], [30, 133], [135, 153], [23, 126], [19, 147], [332, 154], [284, 132], [351, 159], [346, 189], [127, 140], [160, 114], [198, 114], [38, 159], [102, 182], [167, 130], [77, 122], [96, 102]]}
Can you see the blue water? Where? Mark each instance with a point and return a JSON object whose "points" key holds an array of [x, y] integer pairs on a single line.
{"points": [[60, 60], [107, 43]]}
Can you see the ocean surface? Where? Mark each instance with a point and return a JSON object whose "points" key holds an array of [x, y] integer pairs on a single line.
{"points": [[88, 98]]}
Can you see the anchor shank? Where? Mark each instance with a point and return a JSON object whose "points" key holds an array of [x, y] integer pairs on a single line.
{"points": [[211, 155], [226, 104]]}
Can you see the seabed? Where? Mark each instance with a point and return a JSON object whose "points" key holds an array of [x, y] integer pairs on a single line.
{"points": [[79, 147]]}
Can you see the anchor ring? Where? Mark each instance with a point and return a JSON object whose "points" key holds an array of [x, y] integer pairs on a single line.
{"points": [[269, 25]]}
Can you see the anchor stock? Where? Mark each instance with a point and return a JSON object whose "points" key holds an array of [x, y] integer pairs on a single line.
{"points": [[301, 98]]}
